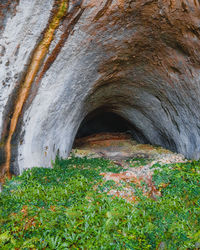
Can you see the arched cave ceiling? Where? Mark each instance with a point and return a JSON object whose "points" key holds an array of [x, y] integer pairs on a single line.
{"points": [[139, 58]]}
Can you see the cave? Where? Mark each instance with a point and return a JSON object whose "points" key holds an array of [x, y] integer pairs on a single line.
{"points": [[102, 120], [139, 59]]}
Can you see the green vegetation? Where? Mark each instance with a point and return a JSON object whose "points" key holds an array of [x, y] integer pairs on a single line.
{"points": [[59, 208], [137, 162]]}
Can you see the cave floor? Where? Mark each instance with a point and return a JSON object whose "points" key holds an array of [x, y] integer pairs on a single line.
{"points": [[120, 147], [137, 160]]}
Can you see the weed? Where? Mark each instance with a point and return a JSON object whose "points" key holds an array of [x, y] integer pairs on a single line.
{"points": [[60, 209]]}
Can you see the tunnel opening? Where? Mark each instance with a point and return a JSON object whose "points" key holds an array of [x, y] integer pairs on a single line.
{"points": [[108, 133], [104, 121]]}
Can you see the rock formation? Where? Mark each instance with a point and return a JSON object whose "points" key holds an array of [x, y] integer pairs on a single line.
{"points": [[62, 60]]}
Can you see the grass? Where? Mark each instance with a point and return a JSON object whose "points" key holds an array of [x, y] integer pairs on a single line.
{"points": [[59, 209]]}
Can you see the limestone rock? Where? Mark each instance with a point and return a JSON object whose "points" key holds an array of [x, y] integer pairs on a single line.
{"points": [[62, 60]]}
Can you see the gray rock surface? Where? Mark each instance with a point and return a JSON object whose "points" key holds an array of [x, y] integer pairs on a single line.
{"points": [[139, 59]]}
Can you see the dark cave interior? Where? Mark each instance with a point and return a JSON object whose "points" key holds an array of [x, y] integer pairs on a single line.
{"points": [[104, 121]]}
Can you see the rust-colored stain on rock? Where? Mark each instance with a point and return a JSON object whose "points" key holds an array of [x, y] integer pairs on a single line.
{"points": [[35, 64]]}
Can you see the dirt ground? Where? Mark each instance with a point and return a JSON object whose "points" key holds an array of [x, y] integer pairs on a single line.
{"points": [[137, 161]]}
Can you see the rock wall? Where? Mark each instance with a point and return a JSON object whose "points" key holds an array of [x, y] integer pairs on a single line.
{"points": [[61, 60]]}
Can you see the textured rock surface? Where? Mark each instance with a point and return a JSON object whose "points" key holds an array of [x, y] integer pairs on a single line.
{"points": [[139, 59]]}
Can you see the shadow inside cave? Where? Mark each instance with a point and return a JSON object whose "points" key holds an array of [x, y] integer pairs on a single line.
{"points": [[102, 121], [104, 133]]}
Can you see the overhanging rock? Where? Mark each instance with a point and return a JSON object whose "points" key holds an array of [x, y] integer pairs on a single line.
{"points": [[61, 60]]}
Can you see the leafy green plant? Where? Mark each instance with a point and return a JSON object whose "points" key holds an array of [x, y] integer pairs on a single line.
{"points": [[59, 208], [137, 162]]}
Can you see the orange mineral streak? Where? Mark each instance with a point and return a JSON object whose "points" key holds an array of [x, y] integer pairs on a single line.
{"points": [[37, 59]]}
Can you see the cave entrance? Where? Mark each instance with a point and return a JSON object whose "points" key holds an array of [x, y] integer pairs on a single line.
{"points": [[105, 133], [103, 122]]}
